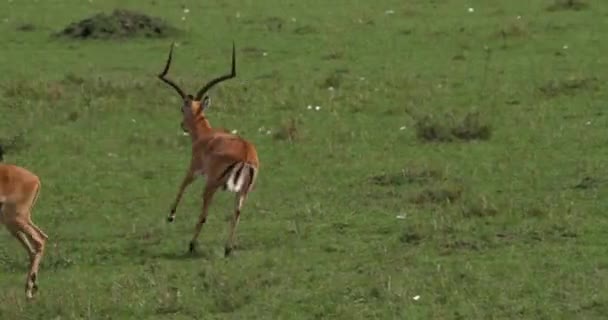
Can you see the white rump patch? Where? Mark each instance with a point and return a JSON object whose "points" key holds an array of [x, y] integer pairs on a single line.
{"points": [[241, 170]]}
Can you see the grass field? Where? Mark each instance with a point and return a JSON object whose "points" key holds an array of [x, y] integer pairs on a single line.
{"points": [[454, 170]]}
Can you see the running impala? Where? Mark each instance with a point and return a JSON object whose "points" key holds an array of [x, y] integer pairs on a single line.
{"points": [[19, 189], [226, 160]]}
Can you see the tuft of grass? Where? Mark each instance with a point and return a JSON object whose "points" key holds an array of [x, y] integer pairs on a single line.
{"points": [[430, 129], [560, 5], [305, 30], [438, 195], [569, 86], [26, 27], [288, 130], [471, 127], [14, 144], [407, 175], [274, 24], [479, 207]]}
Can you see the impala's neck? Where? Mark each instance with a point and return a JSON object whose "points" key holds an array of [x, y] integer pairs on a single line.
{"points": [[202, 129]]}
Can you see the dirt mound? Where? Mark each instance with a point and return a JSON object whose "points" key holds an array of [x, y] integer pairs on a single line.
{"points": [[119, 24]]}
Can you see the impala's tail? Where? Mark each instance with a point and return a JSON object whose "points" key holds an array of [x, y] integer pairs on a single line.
{"points": [[241, 176]]}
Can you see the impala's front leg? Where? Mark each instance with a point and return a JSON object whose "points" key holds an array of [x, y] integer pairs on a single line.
{"points": [[188, 179]]}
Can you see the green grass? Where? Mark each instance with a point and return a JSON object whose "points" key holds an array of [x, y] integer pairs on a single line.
{"points": [[354, 213]]}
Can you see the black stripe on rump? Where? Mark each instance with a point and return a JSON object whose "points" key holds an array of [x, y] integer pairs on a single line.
{"points": [[238, 174], [226, 171], [251, 176]]}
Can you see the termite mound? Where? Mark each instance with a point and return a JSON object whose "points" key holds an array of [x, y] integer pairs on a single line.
{"points": [[120, 24]]}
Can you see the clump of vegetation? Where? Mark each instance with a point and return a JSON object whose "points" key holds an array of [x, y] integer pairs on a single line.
{"points": [[288, 130], [118, 24], [441, 195], [406, 176], [274, 24], [587, 183], [478, 208], [471, 127], [26, 27], [306, 30], [14, 144], [568, 86], [431, 129], [575, 5], [333, 80]]}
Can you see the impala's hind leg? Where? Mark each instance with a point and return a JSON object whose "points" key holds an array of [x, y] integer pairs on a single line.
{"points": [[240, 199], [23, 239], [38, 244], [35, 236]]}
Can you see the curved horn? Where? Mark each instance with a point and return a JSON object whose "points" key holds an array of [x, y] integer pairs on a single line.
{"points": [[217, 80], [162, 75]]}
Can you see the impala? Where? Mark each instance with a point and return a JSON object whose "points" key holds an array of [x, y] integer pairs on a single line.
{"points": [[19, 190], [226, 160]]}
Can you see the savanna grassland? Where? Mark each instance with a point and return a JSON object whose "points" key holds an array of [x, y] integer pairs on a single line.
{"points": [[455, 168]]}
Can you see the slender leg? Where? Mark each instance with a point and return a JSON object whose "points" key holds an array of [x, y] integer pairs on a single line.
{"points": [[40, 232], [240, 199], [188, 179], [14, 230], [38, 244], [207, 197]]}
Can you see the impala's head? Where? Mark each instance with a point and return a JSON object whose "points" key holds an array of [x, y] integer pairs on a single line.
{"points": [[193, 107]]}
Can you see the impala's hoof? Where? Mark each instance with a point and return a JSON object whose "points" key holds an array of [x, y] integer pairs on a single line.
{"points": [[227, 251], [170, 219], [29, 294], [192, 247]]}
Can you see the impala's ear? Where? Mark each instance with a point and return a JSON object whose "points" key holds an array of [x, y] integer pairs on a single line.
{"points": [[205, 104]]}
